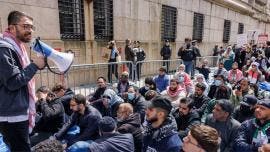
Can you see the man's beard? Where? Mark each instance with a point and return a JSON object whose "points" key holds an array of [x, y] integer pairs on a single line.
{"points": [[172, 89], [23, 37], [152, 120]]}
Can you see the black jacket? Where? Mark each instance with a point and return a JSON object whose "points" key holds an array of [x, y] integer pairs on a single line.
{"points": [[51, 115], [129, 54], [13, 82], [132, 125], [184, 123], [88, 124], [199, 103], [66, 100], [139, 106], [114, 142], [242, 116], [166, 52]]}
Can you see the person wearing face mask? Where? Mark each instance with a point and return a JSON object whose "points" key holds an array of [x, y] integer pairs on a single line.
{"points": [[174, 92], [235, 74], [166, 53], [246, 109], [137, 101], [162, 79], [185, 117], [184, 79], [219, 83], [130, 122]]}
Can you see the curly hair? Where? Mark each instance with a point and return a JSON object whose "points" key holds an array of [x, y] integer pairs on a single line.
{"points": [[49, 145]]}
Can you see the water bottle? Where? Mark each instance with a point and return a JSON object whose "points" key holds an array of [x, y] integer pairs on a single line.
{"points": [[3, 146]]}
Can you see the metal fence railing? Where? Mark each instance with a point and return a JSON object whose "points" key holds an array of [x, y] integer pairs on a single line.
{"points": [[82, 78]]}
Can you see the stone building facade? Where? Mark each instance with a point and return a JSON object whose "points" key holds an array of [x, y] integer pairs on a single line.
{"points": [[141, 20]]}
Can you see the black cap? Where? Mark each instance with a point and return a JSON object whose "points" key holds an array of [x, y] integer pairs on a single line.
{"points": [[264, 102], [249, 100], [166, 40], [161, 102], [107, 124]]}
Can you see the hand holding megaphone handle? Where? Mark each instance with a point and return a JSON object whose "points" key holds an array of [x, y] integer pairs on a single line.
{"points": [[40, 62]]}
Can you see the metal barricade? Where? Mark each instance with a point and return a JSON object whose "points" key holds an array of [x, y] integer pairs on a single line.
{"points": [[82, 78], [212, 61]]}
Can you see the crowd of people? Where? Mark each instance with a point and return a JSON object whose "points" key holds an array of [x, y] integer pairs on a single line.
{"points": [[167, 114]]}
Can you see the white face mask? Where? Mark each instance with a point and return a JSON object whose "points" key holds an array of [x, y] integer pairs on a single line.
{"points": [[217, 82], [181, 79]]}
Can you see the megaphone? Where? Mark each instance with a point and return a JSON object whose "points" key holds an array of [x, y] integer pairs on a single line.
{"points": [[62, 60]]}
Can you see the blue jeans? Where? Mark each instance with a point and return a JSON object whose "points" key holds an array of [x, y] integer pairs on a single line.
{"points": [[189, 67], [80, 146]]}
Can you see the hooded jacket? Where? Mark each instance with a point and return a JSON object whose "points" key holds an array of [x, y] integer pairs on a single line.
{"points": [[162, 139], [66, 100], [139, 105], [132, 125]]}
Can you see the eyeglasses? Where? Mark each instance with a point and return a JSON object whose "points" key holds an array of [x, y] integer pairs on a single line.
{"points": [[27, 26]]}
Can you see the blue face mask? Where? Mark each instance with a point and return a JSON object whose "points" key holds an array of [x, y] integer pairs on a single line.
{"points": [[181, 79], [217, 82], [131, 96]]}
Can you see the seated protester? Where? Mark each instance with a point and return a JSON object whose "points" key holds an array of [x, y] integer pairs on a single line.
{"points": [[50, 116], [219, 83], [246, 66], [262, 63], [246, 109], [199, 100], [149, 84], [108, 104], [255, 133], [162, 79], [222, 121], [253, 73], [65, 95], [123, 85], [101, 87], [204, 69], [174, 92], [160, 133], [234, 75], [110, 140], [241, 89], [83, 123], [137, 101], [129, 122], [184, 79], [221, 70], [48, 146], [199, 78], [201, 138], [149, 95], [185, 117]]}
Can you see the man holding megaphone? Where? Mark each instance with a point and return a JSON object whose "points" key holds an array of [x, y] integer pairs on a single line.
{"points": [[17, 86]]}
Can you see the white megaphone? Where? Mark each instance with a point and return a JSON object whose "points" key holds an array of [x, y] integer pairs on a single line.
{"points": [[62, 60]]}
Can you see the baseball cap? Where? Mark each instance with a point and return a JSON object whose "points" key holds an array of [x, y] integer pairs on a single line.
{"points": [[249, 100]]}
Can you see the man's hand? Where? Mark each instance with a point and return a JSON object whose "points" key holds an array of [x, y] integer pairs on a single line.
{"points": [[39, 61]]}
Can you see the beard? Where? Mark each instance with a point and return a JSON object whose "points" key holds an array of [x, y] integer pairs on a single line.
{"points": [[24, 37], [152, 120], [172, 89]]}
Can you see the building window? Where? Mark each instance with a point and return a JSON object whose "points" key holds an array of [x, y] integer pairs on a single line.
{"points": [[103, 20], [240, 28], [198, 24], [226, 31], [71, 15], [168, 23]]}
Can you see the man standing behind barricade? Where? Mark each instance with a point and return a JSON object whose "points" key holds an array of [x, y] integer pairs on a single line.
{"points": [[197, 54], [83, 124], [65, 95], [222, 121], [254, 133], [140, 55], [166, 53], [112, 67], [130, 56], [160, 134], [17, 88], [188, 55]]}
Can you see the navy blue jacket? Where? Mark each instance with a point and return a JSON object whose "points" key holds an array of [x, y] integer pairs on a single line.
{"points": [[114, 142], [13, 82], [246, 131], [88, 124]]}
